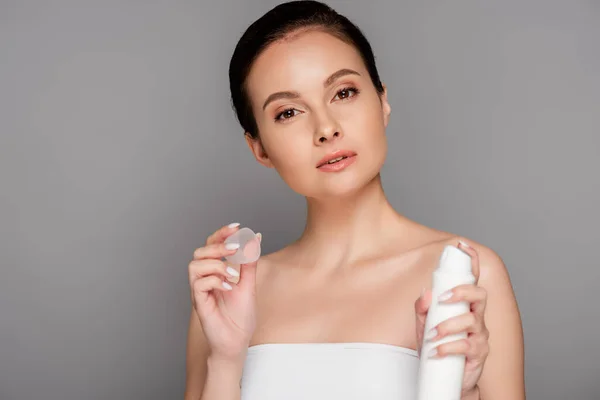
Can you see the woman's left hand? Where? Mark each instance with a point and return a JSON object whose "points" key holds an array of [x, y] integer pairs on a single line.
{"points": [[475, 347]]}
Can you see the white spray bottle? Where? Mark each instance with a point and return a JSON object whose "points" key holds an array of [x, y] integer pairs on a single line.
{"points": [[441, 378]]}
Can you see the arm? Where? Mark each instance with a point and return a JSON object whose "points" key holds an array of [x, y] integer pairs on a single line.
{"points": [[206, 377], [222, 381], [503, 374], [196, 359]]}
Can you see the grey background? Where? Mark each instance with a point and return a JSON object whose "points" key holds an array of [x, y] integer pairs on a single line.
{"points": [[119, 153]]}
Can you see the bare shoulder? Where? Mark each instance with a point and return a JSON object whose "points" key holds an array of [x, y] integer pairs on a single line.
{"points": [[492, 269], [267, 261], [503, 375]]}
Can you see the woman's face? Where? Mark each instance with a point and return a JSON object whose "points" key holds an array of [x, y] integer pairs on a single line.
{"points": [[311, 96]]}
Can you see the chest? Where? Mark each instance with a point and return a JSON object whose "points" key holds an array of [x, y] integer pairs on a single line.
{"points": [[373, 304]]}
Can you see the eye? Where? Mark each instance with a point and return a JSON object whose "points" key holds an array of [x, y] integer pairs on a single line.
{"points": [[286, 114], [346, 93]]}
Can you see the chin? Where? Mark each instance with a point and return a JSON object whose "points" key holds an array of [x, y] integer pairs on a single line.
{"points": [[340, 185], [340, 190]]}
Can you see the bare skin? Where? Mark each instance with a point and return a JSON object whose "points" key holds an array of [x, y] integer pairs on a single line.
{"points": [[298, 302], [357, 272]]}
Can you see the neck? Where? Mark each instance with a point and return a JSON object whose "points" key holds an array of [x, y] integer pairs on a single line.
{"points": [[342, 230]]}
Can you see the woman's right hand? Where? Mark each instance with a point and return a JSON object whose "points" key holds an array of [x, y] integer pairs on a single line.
{"points": [[226, 309]]}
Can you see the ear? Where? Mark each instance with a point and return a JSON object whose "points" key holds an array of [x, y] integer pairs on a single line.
{"points": [[385, 106], [256, 147]]}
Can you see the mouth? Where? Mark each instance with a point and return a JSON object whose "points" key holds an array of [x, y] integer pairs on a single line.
{"points": [[335, 157]]}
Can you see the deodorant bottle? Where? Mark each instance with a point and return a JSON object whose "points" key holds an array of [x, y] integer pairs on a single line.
{"points": [[441, 378]]}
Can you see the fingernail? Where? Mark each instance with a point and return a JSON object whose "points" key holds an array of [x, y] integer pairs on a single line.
{"points": [[227, 286], [463, 243], [232, 246], [445, 296], [259, 236], [232, 271], [431, 334], [432, 353], [233, 225]]}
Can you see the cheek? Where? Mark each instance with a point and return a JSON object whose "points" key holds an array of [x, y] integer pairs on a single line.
{"points": [[293, 158], [363, 115], [365, 125], [367, 129], [289, 154]]}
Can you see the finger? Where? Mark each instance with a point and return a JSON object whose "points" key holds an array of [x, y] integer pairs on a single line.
{"points": [[201, 268], [476, 295], [422, 304], [247, 279], [479, 347], [202, 286], [472, 349], [456, 347], [470, 250], [222, 233], [215, 250], [468, 322]]}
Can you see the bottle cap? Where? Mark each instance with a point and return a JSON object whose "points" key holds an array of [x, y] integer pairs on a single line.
{"points": [[249, 250], [454, 260]]}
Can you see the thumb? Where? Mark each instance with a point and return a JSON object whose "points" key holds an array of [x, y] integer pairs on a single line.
{"points": [[422, 306], [248, 271]]}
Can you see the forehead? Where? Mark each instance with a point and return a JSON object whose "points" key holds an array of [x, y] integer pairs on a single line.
{"points": [[302, 61]]}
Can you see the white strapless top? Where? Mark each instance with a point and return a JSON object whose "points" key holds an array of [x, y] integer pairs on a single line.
{"points": [[329, 371]]}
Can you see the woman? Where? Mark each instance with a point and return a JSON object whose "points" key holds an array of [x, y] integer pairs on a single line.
{"points": [[340, 312]]}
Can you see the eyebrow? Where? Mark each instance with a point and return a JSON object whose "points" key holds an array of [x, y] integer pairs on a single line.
{"points": [[294, 95]]}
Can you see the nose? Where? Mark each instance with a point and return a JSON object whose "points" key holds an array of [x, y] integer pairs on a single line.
{"points": [[328, 130]]}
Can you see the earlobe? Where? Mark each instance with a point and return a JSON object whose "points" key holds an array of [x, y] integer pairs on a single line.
{"points": [[385, 107], [257, 149]]}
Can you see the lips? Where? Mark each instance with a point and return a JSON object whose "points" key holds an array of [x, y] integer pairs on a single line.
{"points": [[334, 157]]}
